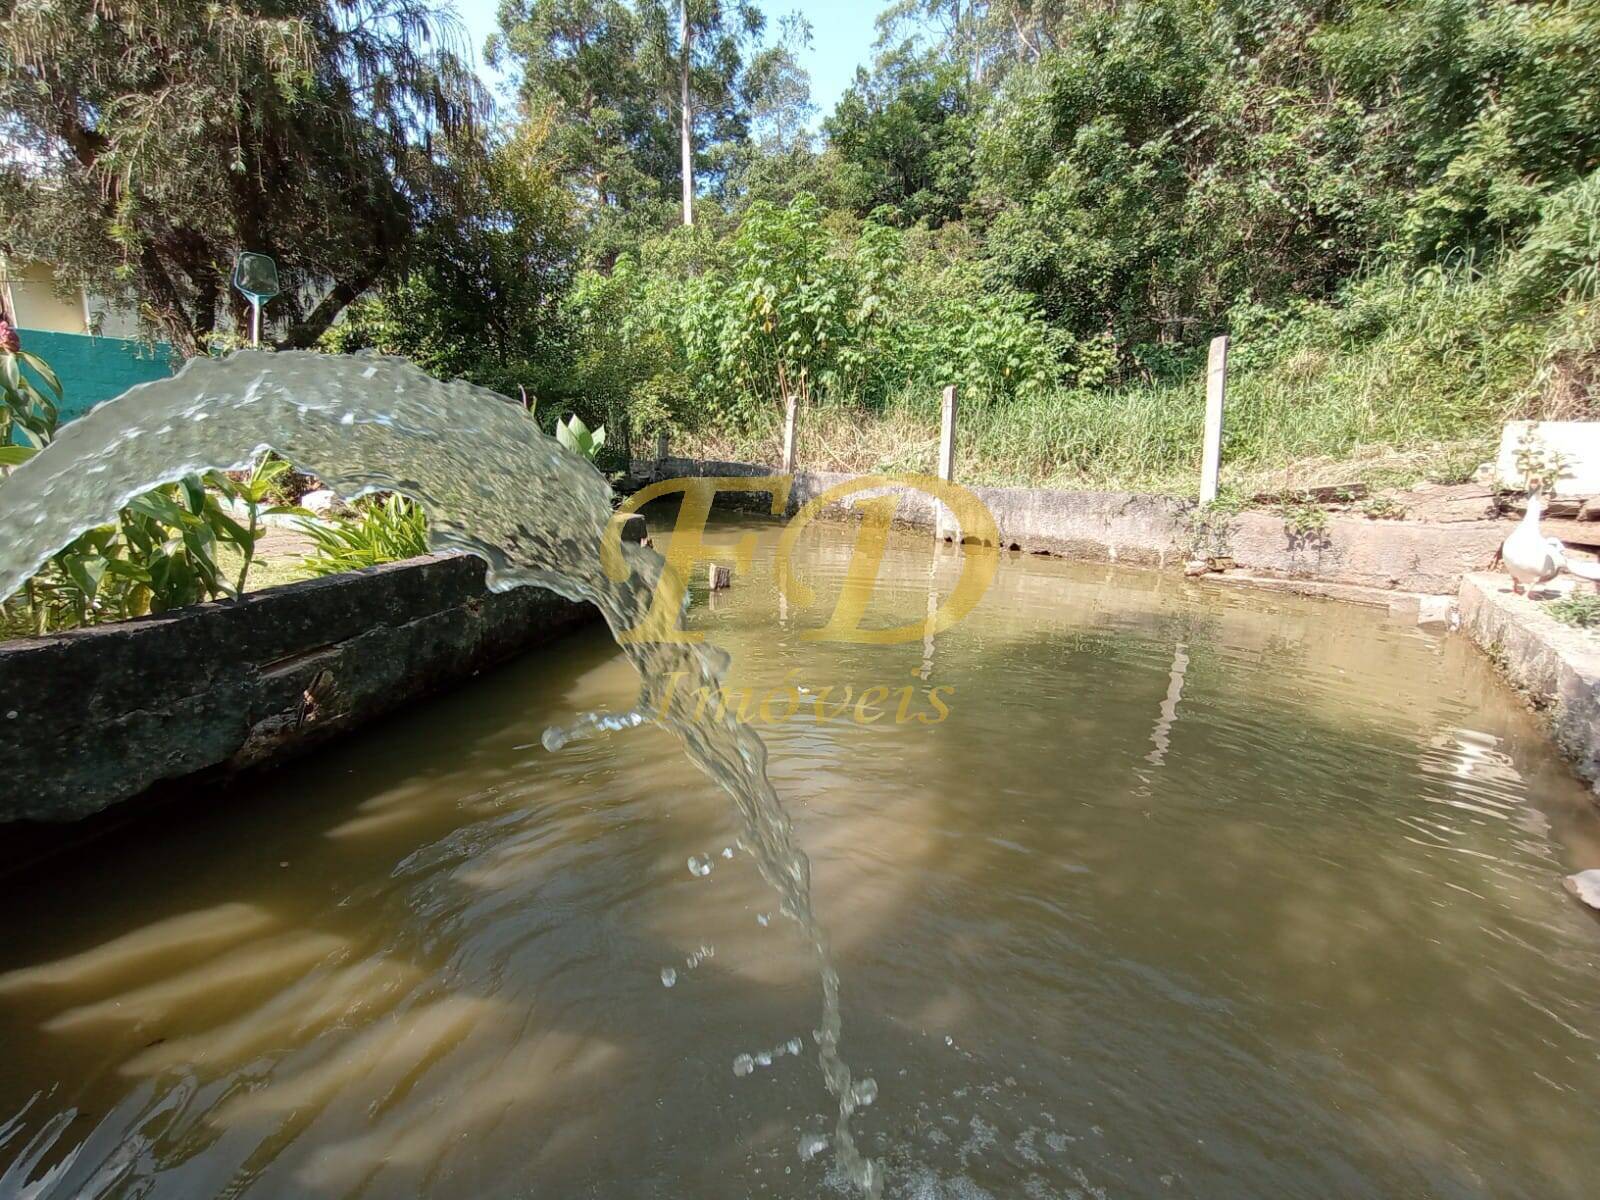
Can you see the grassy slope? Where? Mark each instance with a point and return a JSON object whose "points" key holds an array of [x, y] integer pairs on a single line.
{"points": [[1396, 383]]}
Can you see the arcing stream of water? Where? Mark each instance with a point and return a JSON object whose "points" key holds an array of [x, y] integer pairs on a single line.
{"points": [[493, 486]]}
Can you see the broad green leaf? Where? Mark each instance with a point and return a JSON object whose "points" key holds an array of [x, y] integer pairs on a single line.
{"points": [[42, 369], [127, 570], [160, 507]]}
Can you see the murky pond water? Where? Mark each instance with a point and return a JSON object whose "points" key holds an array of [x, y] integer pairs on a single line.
{"points": [[1189, 893]]}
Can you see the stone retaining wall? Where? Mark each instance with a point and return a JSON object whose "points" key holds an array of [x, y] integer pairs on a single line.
{"points": [[1556, 666], [92, 717], [1162, 531]]}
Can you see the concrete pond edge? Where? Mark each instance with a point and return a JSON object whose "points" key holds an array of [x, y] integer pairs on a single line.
{"points": [[1137, 529], [1433, 574], [1554, 666], [92, 718]]}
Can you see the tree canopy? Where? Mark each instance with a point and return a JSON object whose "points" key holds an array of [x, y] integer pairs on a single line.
{"points": [[1048, 203], [150, 140]]}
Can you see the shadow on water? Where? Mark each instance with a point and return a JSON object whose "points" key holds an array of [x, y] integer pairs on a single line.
{"points": [[1316, 947]]}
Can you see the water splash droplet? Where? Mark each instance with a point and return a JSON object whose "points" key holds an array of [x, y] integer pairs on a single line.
{"points": [[743, 1065], [493, 485], [699, 867], [668, 977], [590, 724]]}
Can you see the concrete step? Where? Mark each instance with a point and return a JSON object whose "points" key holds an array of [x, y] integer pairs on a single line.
{"points": [[1424, 608]]}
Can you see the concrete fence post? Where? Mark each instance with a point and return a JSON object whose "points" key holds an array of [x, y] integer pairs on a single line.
{"points": [[947, 449], [1216, 393], [791, 416], [947, 435]]}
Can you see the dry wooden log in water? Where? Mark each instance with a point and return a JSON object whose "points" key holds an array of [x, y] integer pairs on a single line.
{"points": [[1559, 508], [1334, 493]]}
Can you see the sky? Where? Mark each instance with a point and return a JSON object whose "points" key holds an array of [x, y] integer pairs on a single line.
{"points": [[842, 35]]}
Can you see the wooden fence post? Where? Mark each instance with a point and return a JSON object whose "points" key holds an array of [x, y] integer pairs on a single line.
{"points": [[791, 415], [1216, 393], [661, 454]]}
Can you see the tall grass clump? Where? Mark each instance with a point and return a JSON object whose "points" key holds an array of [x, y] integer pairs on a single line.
{"points": [[390, 529], [1396, 379]]}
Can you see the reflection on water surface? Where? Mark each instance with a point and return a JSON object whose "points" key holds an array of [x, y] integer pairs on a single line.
{"points": [[1189, 894]]}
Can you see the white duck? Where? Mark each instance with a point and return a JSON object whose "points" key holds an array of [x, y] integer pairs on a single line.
{"points": [[1530, 557]]}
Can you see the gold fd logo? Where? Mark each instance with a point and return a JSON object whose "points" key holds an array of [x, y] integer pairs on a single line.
{"points": [[688, 548]]}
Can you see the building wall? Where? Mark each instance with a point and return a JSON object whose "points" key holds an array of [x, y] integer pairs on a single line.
{"points": [[34, 302], [93, 369], [60, 327]]}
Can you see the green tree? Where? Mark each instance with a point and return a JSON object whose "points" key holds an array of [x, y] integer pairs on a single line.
{"points": [[1475, 110], [1139, 189], [582, 72], [482, 298], [904, 135], [153, 142], [650, 99], [777, 327]]}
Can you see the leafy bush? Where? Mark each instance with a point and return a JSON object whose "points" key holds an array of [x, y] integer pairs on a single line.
{"points": [[1561, 258], [627, 365], [784, 321], [388, 530], [579, 438], [28, 413], [161, 552]]}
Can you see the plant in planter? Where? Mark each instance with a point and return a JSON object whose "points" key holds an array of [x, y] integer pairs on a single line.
{"points": [[386, 530], [579, 438], [159, 554], [28, 414]]}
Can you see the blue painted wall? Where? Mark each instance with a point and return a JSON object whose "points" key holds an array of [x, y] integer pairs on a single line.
{"points": [[93, 369]]}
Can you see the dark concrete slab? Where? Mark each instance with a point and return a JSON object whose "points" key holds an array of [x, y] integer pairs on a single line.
{"points": [[94, 717]]}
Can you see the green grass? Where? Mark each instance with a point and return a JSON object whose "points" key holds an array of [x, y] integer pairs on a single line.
{"points": [[1580, 608], [1398, 383], [273, 571]]}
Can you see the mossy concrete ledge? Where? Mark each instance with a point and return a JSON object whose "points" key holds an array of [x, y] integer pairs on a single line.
{"points": [[94, 717], [1555, 665], [1163, 531]]}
